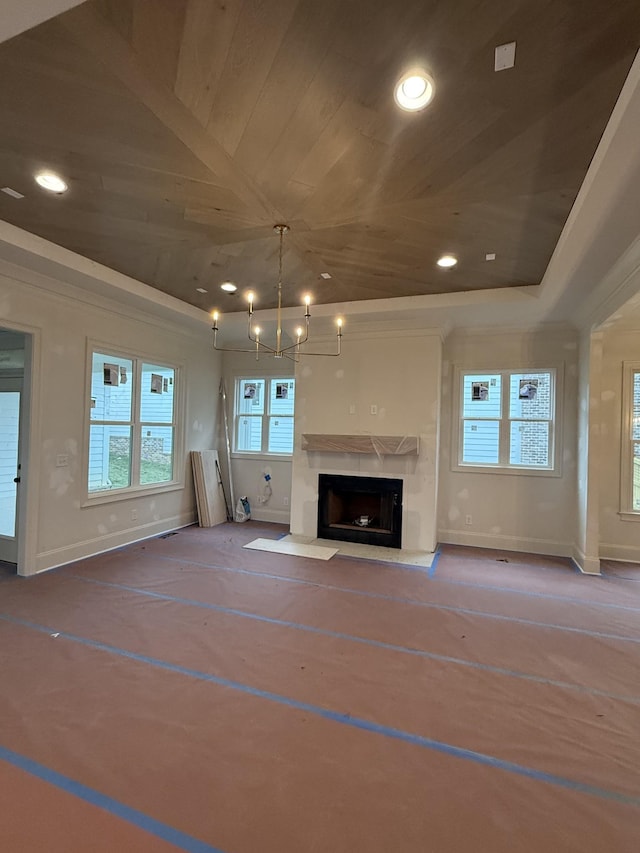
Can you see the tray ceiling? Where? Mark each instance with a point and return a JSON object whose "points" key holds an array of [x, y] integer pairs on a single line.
{"points": [[187, 128]]}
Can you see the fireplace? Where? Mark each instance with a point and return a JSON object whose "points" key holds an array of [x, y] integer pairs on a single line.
{"points": [[360, 509]]}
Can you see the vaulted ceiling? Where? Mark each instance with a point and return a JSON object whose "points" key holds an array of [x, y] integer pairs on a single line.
{"points": [[187, 128]]}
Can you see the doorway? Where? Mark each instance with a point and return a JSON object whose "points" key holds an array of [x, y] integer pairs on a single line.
{"points": [[13, 346]]}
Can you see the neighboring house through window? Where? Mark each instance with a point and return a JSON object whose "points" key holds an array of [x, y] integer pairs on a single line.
{"points": [[263, 415], [507, 420], [132, 430]]}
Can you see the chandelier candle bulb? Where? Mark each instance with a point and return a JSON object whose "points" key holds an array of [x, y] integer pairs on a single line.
{"points": [[250, 297], [307, 302]]}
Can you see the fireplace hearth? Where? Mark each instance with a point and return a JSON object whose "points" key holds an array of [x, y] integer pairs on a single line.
{"points": [[367, 510]]}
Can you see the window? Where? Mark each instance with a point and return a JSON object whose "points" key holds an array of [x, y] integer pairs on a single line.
{"points": [[264, 415], [132, 425], [630, 468], [507, 420]]}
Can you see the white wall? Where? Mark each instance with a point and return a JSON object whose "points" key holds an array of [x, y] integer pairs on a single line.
{"points": [[248, 471], [618, 539], [62, 319], [510, 511], [399, 373]]}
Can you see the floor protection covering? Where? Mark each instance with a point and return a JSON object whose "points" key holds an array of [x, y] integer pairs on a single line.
{"points": [[186, 693]]}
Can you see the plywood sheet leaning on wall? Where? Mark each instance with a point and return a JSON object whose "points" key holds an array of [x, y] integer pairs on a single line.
{"points": [[209, 494]]}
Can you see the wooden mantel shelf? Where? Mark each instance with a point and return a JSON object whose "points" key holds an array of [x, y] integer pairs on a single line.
{"points": [[381, 445]]}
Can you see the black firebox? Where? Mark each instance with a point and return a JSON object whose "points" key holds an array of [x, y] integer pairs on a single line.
{"points": [[360, 509]]}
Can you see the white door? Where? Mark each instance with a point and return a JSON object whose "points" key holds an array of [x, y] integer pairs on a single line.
{"points": [[10, 394]]}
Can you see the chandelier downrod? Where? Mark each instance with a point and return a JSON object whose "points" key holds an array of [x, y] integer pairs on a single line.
{"points": [[293, 351]]}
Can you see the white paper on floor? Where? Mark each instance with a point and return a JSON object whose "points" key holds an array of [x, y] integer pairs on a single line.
{"points": [[295, 549]]}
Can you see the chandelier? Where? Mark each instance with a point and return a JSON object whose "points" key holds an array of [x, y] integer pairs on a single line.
{"points": [[292, 351]]}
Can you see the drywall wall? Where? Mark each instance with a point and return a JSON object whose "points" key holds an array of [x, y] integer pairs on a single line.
{"points": [[387, 383], [519, 511], [249, 470], [619, 538], [62, 320]]}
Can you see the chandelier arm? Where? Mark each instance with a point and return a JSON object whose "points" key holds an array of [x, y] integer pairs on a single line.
{"points": [[293, 351]]}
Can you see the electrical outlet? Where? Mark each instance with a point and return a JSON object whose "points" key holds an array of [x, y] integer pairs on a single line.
{"points": [[134, 515], [285, 501], [468, 519], [62, 460]]}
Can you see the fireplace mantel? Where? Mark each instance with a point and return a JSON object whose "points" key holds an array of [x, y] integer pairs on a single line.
{"points": [[381, 445]]}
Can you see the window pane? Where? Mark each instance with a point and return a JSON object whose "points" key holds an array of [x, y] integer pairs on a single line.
{"points": [[282, 396], [156, 455], [481, 442], [9, 427], [635, 413], [251, 397], [481, 396], [109, 457], [529, 443], [111, 386], [530, 396], [280, 435], [249, 436], [156, 394]]}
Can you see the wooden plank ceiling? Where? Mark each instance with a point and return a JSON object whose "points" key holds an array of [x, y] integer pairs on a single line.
{"points": [[187, 128]]}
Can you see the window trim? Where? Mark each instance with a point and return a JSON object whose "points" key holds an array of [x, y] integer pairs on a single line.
{"points": [[555, 468], [179, 402], [268, 378], [626, 512]]}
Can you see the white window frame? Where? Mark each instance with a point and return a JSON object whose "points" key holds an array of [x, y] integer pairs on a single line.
{"points": [[627, 512], [264, 451], [136, 489], [503, 466]]}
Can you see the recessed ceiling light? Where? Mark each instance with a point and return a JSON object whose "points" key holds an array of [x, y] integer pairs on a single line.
{"points": [[447, 261], [51, 182], [490, 256], [325, 275], [12, 193], [229, 287], [201, 290], [414, 90]]}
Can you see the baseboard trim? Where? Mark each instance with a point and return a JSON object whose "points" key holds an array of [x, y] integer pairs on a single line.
{"points": [[47, 560], [506, 543], [277, 516], [620, 553], [586, 565]]}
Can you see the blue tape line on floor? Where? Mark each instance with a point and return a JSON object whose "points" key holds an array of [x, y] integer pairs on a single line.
{"points": [[352, 591], [496, 670], [434, 563], [102, 801], [467, 611], [344, 719]]}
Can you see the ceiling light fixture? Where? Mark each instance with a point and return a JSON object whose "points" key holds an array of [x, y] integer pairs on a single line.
{"points": [[292, 351], [228, 287], [447, 261], [51, 182], [414, 90]]}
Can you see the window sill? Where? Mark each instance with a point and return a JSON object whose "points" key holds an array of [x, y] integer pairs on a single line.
{"points": [[500, 469], [113, 495], [282, 457], [629, 516]]}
